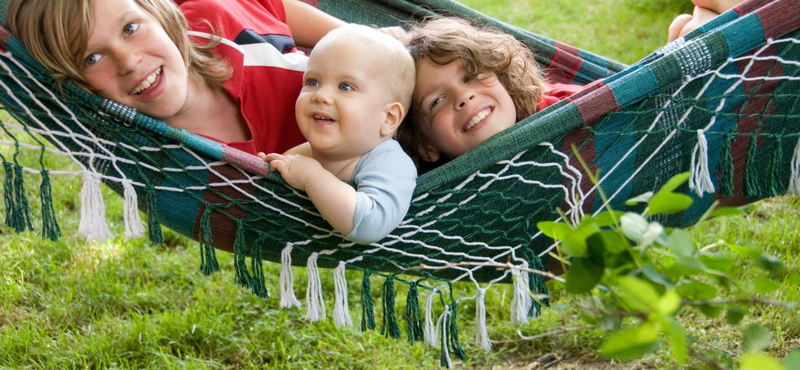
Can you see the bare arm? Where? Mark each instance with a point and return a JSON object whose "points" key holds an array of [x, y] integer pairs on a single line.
{"points": [[334, 199], [308, 24]]}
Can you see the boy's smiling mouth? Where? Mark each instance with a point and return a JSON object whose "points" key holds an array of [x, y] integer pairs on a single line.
{"points": [[146, 83], [477, 118]]}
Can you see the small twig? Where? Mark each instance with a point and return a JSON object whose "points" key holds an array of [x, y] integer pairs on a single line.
{"points": [[729, 353], [523, 338], [508, 265]]}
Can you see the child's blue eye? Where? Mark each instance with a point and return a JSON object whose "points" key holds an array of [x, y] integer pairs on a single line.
{"points": [[130, 28], [345, 87], [92, 59], [312, 83]]}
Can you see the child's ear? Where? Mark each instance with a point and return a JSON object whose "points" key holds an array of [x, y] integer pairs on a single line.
{"points": [[394, 115], [427, 151]]}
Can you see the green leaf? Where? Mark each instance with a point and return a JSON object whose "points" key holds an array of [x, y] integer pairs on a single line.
{"points": [[679, 349], [668, 203], [698, 291], [771, 264], [743, 251], [655, 276], [641, 198], [762, 285], [573, 245], [751, 361], [669, 303], [718, 263], [711, 311], [674, 182], [631, 343], [681, 243], [755, 338], [555, 230], [792, 360], [633, 226], [726, 211], [690, 265], [582, 276], [608, 241], [605, 218], [734, 315], [637, 293]]}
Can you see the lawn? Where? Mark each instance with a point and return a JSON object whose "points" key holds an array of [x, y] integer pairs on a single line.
{"points": [[129, 305]]}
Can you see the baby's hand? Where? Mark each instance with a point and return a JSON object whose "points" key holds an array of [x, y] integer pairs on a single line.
{"points": [[295, 169]]}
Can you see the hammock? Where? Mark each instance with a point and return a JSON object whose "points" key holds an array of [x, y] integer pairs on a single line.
{"points": [[722, 102]]}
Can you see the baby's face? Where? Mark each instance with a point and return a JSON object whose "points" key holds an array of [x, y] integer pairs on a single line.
{"points": [[458, 113], [131, 59], [342, 105]]}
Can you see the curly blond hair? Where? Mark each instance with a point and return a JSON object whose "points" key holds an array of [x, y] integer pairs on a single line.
{"points": [[481, 50], [55, 31]]}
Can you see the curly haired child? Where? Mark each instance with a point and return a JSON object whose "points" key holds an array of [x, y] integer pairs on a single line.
{"points": [[472, 83]]}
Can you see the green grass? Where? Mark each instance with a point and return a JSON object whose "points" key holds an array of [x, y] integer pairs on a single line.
{"points": [[128, 305]]}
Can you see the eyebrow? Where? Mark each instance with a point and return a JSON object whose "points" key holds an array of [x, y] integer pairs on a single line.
{"points": [[429, 91]]}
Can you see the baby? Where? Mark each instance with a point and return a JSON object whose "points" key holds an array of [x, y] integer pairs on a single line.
{"points": [[356, 91]]}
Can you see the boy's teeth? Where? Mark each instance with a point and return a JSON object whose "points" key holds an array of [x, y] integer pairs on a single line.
{"points": [[146, 83], [478, 117], [320, 117]]}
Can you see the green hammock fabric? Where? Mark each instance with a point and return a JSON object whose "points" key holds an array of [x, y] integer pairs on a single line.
{"points": [[721, 102]]}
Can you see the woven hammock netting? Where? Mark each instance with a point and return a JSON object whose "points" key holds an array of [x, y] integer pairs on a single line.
{"points": [[722, 103]]}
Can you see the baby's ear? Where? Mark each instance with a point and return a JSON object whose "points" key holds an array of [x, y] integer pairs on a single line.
{"points": [[427, 151], [394, 116]]}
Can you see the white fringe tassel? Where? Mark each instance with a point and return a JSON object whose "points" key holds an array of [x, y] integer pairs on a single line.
{"points": [[522, 301], [288, 298], [430, 334], [700, 180], [442, 323], [134, 227], [93, 209], [315, 306], [794, 183], [481, 335], [341, 312]]}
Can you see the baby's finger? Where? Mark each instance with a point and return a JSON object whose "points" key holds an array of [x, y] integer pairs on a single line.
{"points": [[273, 157], [277, 165]]}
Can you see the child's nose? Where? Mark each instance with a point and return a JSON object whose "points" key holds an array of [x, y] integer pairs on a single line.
{"points": [[127, 60], [322, 96], [464, 99]]}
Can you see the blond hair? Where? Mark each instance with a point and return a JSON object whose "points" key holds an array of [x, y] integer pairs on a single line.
{"points": [[480, 50], [55, 32]]}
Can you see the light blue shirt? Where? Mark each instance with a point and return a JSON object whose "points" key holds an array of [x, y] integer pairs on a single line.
{"points": [[385, 178]]}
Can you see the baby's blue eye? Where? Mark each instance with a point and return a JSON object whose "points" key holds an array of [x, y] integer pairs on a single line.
{"points": [[312, 83], [436, 101], [345, 87], [92, 59], [130, 28]]}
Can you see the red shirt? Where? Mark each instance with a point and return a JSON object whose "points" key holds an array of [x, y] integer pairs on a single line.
{"points": [[556, 92], [267, 68]]}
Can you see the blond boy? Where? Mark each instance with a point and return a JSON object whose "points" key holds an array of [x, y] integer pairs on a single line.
{"points": [[356, 91]]}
